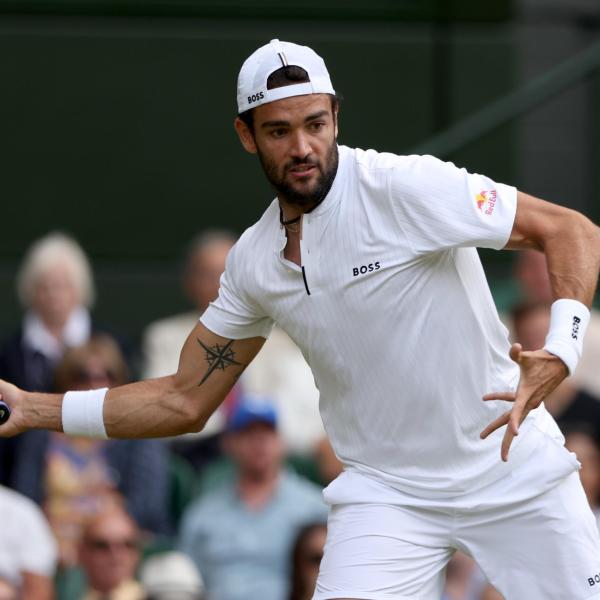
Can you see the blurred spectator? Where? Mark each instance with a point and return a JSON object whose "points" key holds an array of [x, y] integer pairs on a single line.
{"points": [[567, 403], [306, 559], [240, 535], [56, 289], [171, 576], [27, 549], [74, 478], [204, 264], [579, 438], [8, 591], [531, 273], [109, 555], [280, 372]]}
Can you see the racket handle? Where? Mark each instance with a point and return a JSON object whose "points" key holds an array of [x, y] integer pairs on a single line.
{"points": [[4, 412]]}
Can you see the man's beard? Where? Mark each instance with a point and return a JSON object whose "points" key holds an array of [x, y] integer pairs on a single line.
{"points": [[310, 198]]}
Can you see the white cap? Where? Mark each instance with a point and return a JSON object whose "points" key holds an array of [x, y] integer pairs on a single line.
{"points": [[171, 575], [252, 81]]}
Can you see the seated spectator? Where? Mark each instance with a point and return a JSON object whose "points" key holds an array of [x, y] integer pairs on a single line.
{"points": [[56, 290], [240, 534], [580, 438], [204, 264], [567, 403], [27, 549], [306, 559], [171, 576], [109, 555], [74, 478], [55, 287], [8, 591]]}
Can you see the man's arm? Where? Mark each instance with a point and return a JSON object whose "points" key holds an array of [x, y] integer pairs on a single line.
{"points": [[208, 368], [571, 243]]}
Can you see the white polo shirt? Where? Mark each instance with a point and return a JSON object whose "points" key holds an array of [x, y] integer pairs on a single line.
{"points": [[394, 315]]}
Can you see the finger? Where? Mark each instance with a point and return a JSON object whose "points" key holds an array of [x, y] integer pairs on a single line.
{"points": [[510, 396], [506, 442], [495, 424], [515, 352]]}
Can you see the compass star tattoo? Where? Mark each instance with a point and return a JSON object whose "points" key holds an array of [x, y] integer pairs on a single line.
{"points": [[218, 357]]}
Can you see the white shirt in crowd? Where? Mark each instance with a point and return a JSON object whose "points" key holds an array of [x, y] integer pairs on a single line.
{"points": [[26, 541]]}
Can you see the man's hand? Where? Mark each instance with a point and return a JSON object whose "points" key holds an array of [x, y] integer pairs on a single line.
{"points": [[12, 396], [541, 372]]}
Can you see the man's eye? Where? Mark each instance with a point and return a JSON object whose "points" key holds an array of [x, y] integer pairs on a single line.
{"points": [[317, 126], [277, 133]]}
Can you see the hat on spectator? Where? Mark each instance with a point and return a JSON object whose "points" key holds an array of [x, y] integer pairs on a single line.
{"points": [[171, 576], [252, 409]]}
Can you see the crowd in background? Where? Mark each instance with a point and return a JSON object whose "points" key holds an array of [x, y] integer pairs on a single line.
{"points": [[233, 512]]}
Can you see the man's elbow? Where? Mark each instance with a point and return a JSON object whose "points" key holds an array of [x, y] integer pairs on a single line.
{"points": [[594, 235], [187, 410], [591, 235], [575, 225], [193, 417]]}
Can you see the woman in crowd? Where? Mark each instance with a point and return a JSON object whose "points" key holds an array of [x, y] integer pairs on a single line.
{"points": [[74, 478]]}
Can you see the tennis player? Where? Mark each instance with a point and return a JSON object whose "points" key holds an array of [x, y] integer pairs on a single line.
{"points": [[368, 261]]}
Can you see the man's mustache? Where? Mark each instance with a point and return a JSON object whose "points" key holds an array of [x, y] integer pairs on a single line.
{"points": [[301, 162]]}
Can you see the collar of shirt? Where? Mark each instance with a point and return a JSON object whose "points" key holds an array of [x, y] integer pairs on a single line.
{"points": [[37, 336]]}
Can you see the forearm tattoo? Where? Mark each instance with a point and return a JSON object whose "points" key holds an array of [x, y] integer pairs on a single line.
{"points": [[219, 357]]}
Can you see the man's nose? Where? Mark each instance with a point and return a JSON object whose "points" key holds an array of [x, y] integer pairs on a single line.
{"points": [[301, 145]]}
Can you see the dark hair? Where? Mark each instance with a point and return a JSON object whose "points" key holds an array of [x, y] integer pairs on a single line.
{"points": [[290, 75], [298, 589], [72, 366]]}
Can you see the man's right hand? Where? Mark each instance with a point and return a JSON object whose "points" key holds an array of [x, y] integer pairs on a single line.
{"points": [[14, 398]]}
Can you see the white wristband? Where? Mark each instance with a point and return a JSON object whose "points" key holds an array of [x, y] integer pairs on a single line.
{"points": [[568, 321], [82, 414]]}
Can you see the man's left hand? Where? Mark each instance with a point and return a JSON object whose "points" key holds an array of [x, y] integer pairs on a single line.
{"points": [[541, 372]]}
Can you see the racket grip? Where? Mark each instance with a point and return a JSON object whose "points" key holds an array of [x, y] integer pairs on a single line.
{"points": [[4, 412]]}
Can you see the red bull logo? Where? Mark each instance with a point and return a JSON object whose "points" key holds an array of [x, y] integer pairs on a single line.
{"points": [[486, 200]]}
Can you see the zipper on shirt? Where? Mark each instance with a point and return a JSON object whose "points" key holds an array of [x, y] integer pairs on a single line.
{"points": [[304, 258], [305, 282]]}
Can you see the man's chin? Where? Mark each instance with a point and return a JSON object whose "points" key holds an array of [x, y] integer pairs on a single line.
{"points": [[302, 194]]}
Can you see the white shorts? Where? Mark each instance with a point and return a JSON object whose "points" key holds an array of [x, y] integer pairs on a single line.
{"points": [[532, 533]]}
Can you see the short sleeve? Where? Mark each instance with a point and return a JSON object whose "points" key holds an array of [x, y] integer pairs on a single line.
{"points": [[441, 206], [234, 314], [39, 553]]}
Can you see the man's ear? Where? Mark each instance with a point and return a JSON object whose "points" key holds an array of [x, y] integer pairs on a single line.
{"points": [[246, 136], [336, 114]]}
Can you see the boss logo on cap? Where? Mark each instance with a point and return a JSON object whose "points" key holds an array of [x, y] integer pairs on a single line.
{"points": [[256, 97]]}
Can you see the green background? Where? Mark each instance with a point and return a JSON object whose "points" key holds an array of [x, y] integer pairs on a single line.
{"points": [[117, 120]]}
